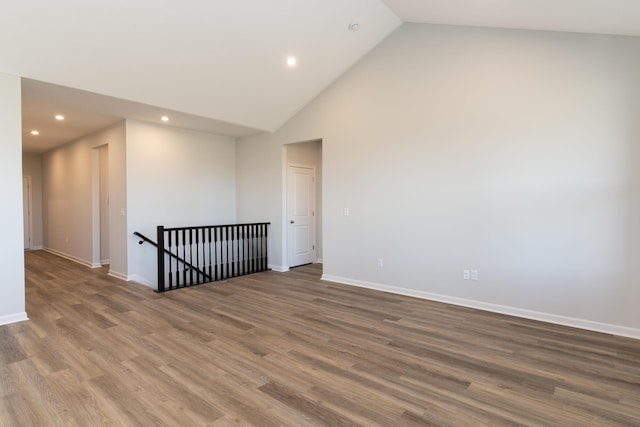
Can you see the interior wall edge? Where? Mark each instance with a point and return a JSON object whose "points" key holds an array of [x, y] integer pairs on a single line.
{"points": [[13, 318], [70, 257]]}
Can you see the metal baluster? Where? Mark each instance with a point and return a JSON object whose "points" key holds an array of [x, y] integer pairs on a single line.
{"points": [[215, 253], [266, 245], [244, 249], [254, 248], [229, 253], [261, 267], [234, 245], [259, 227], [169, 233], [250, 240], [160, 239], [184, 249], [209, 243], [197, 263]]}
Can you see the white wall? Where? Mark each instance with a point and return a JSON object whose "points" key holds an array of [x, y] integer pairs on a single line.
{"points": [[12, 302], [118, 242], [514, 153], [310, 154], [32, 166], [68, 190], [175, 178], [261, 178]]}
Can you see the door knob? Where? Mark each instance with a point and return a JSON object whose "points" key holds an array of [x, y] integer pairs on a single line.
{"points": [[292, 222]]}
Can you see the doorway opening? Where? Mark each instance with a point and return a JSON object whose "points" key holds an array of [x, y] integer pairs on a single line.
{"points": [[26, 211], [100, 208], [303, 211]]}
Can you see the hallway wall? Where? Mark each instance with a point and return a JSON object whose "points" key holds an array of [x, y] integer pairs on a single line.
{"points": [[12, 297], [67, 175]]}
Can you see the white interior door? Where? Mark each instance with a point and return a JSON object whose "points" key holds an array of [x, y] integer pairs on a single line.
{"points": [[26, 210], [301, 206]]}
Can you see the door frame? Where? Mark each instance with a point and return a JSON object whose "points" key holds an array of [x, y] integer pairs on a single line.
{"points": [[96, 258], [29, 197], [288, 206]]}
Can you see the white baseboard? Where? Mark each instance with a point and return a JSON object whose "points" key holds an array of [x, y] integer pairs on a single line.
{"points": [[318, 261], [512, 311], [13, 318], [34, 248], [117, 275], [278, 268], [105, 261], [72, 258], [141, 280]]}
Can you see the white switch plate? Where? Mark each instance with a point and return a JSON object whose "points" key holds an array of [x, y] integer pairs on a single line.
{"points": [[466, 275], [346, 211], [474, 274], [380, 263]]}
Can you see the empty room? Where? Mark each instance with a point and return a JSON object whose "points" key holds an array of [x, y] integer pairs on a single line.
{"points": [[321, 212]]}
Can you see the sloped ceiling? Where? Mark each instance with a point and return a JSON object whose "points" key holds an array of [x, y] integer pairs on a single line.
{"points": [[219, 65], [222, 59], [620, 17]]}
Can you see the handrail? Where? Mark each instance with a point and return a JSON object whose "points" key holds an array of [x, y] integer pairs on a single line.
{"points": [[201, 227], [171, 254], [144, 239]]}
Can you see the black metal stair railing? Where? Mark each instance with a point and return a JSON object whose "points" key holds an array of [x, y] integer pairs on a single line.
{"points": [[189, 256]]}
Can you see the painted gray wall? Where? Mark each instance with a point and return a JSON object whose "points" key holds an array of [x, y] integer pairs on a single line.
{"points": [[175, 178], [156, 175], [68, 189], [513, 153], [12, 299]]}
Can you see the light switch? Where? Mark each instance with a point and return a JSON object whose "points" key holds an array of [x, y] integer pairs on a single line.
{"points": [[346, 211]]}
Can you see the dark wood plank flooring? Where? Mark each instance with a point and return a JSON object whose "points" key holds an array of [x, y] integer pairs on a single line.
{"points": [[286, 349]]}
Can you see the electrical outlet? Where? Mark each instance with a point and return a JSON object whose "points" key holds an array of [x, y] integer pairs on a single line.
{"points": [[466, 275], [380, 263], [474, 274]]}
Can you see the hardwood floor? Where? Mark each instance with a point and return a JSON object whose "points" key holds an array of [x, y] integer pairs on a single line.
{"points": [[288, 349]]}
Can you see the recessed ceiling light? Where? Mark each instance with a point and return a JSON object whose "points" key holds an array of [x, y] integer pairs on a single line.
{"points": [[35, 132], [164, 118], [59, 117], [291, 61]]}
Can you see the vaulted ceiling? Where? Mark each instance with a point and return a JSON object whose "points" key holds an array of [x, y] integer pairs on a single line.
{"points": [[219, 65]]}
